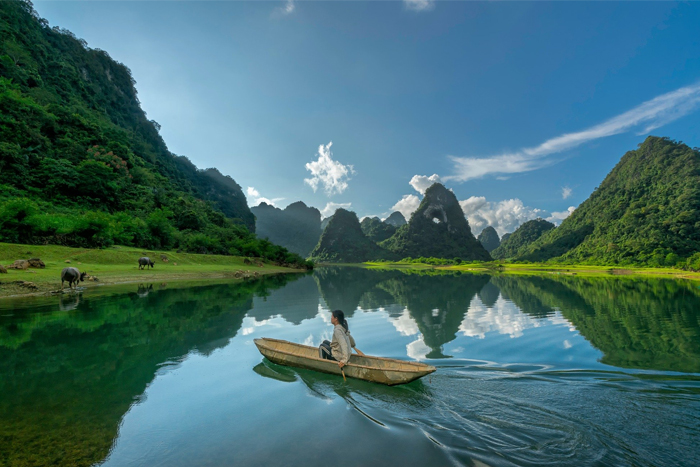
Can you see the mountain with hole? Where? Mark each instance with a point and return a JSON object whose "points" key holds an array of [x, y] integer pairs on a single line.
{"points": [[438, 229]]}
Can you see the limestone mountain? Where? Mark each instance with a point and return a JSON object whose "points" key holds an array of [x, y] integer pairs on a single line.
{"points": [[343, 241], [296, 227], [524, 235], [439, 229], [646, 212], [324, 223], [377, 230], [489, 239], [396, 219]]}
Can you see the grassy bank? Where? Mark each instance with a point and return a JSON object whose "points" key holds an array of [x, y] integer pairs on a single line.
{"points": [[538, 269], [117, 265]]}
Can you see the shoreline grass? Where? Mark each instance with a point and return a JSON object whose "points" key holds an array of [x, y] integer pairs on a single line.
{"points": [[540, 269], [118, 265]]}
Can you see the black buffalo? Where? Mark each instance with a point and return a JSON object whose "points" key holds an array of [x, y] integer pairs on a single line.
{"points": [[72, 275], [145, 261]]}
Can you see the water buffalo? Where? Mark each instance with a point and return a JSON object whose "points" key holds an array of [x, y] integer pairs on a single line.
{"points": [[72, 275], [145, 261]]}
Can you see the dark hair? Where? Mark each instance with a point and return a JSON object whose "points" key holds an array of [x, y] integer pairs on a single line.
{"points": [[340, 316]]}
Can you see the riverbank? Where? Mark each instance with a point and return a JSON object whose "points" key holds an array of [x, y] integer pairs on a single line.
{"points": [[541, 269], [119, 265]]}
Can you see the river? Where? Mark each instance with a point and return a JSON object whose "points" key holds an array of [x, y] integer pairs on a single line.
{"points": [[531, 371]]}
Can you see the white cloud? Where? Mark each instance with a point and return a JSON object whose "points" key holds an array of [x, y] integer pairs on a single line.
{"points": [[325, 171], [473, 204], [566, 192], [468, 168], [652, 114], [420, 183], [405, 324], [504, 317], [407, 205], [255, 198], [558, 217], [417, 349], [330, 208], [504, 216], [419, 5], [284, 10]]}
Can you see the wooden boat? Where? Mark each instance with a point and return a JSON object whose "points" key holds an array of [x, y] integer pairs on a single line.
{"points": [[376, 369]]}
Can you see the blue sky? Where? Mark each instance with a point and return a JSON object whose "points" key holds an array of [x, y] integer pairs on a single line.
{"points": [[521, 108]]}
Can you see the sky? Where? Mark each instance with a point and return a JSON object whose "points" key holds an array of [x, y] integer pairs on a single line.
{"points": [[520, 108]]}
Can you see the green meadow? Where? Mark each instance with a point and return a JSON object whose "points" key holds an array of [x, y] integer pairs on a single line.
{"points": [[118, 264]]}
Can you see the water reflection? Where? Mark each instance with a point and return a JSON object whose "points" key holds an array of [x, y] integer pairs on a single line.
{"points": [[144, 290], [85, 368], [343, 288], [294, 303], [416, 394], [648, 324], [68, 302], [82, 362]]}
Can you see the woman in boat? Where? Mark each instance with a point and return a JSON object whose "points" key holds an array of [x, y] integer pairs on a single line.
{"points": [[340, 348]]}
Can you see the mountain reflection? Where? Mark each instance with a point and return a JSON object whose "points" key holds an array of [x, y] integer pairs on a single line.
{"points": [[431, 304], [76, 363], [342, 288], [67, 379], [299, 300], [637, 323], [649, 324], [437, 304]]}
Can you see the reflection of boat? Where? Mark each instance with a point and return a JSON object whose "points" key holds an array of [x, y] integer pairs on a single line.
{"points": [[375, 369], [263, 370]]}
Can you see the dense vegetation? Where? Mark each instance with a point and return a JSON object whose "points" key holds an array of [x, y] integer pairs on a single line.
{"points": [[489, 239], [438, 228], [81, 164], [296, 227], [646, 212], [521, 238], [343, 241], [376, 230]]}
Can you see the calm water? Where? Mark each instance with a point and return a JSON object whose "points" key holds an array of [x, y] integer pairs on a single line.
{"points": [[531, 371]]}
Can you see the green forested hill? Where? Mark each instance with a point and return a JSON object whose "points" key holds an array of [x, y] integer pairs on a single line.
{"points": [[343, 241], [81, 164], [296, 227], [521, 238], [489, 239], [646, 212], [377, 230], [438, 229]]}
